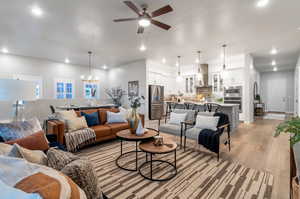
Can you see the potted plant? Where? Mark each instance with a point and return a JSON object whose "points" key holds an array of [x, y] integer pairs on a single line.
{"points": [[292, 127], [135, 103], [116, 94]]}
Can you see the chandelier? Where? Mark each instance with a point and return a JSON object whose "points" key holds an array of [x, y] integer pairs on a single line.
{"points": [[178, 78], [89, 77]]}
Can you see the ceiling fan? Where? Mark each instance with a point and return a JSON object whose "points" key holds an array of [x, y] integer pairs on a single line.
{"points": [[144, 18]]}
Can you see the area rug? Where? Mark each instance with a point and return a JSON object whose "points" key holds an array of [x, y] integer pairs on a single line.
{"points": [[199, 176]]}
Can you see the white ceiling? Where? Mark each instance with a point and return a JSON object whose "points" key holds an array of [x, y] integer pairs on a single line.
{"points": [[69, 28]]}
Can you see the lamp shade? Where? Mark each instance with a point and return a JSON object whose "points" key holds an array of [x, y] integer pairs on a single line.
{"points": [[13, 90]]}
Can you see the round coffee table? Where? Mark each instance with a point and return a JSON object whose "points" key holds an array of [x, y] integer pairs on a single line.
{"points": [[169, 146], [126, 135]]}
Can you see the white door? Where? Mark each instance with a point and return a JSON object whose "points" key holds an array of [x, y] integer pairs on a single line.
{"points": [[276, 95], [278, 91]]}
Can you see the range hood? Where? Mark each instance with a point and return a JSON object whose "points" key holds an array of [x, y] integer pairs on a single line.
{"points": [[203, 76], [202, 87]]}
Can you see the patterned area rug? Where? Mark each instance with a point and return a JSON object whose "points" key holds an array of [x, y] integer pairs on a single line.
{"points": [[199, 175]]}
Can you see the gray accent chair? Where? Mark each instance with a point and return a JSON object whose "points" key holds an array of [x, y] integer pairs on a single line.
{"points": [[192, 132], [175, 129]]}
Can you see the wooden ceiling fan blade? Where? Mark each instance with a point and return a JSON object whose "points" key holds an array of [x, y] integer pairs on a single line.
{"points": [[161, 25], [162, 11], [126, 19], [140, 30], [133, 7]]}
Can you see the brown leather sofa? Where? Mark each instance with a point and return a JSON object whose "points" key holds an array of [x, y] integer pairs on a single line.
{"points": [[104, 131]]}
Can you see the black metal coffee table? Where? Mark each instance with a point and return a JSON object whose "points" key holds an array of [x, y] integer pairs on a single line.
{"points": [[126, 135]]}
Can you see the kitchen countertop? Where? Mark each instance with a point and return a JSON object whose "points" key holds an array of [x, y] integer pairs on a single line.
{"points": [[202, 103]]}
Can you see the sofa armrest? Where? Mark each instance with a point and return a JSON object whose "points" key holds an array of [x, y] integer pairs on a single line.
{"points": [[57, 128]]}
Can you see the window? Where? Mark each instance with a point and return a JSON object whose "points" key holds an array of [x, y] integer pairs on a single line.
{"points": [[64, 89], [36, 79], [90, 90]]}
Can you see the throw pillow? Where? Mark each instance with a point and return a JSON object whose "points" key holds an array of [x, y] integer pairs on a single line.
{"points": [[177, 118], [81, 171], [77, 123], [33, 156], [34, 178], [115, 118], [124, 112], [5, 148], [64, 116], [207, 122], [37, 141], [58, 159], [8, 192], [19, 129], [92, 119]]}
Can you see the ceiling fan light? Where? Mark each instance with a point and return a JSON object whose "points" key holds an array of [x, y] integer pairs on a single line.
{"points": [[144, 22]]}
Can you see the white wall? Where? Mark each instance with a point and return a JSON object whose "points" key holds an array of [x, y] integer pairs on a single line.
{"points": [[135, 71], [47, 71], [278, 90], [297, 87], [163, 75]]}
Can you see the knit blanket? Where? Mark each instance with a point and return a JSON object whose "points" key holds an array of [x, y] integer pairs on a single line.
{"points": [[80, 138]]}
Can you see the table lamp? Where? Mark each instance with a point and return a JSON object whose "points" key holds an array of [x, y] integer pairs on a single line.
{"points": [[17, 91]]}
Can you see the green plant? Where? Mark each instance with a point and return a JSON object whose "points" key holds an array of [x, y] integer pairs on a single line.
{"points": [[291, 126]]}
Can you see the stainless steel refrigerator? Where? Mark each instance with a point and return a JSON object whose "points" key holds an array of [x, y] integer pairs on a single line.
{"points": [[156, 102]]}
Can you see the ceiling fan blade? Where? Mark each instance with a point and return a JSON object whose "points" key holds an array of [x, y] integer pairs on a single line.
{"points": [[133, 7], [125, 19], [161, 25], [162, 11], [140, 30]]}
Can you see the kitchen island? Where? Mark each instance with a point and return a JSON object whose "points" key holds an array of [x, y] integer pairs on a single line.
{"points": [[232, 110]]}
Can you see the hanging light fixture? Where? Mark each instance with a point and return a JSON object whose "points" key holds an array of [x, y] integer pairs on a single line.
{"points": [[224, 56], [199, 63], [178, 69], [89, 78]]}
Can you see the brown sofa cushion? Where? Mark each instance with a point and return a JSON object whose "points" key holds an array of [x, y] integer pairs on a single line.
{"points": [[101, 130], [36, 141], [103, 114], [116, 127]]}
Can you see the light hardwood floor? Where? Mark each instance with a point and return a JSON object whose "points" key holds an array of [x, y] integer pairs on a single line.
{"points": [[254, 146]]}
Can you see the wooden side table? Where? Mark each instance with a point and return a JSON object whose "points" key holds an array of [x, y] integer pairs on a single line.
{"points": [[169, 146]]}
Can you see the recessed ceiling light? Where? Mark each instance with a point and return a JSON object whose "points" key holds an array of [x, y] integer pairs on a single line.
{"points": [[37, 11], [275, 69], [143, 47], [67, 61], [104, 67], [164, 60], [262, 3], [273, 63], [274, 51], [4, 50]]}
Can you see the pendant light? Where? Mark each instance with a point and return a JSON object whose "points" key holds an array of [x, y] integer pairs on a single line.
{"points": [[178, 79], [199, 63], [178, 65], [224, 56], [89, 78]]}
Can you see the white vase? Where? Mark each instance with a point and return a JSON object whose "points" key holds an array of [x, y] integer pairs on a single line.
{"points": [[140, 130]]}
